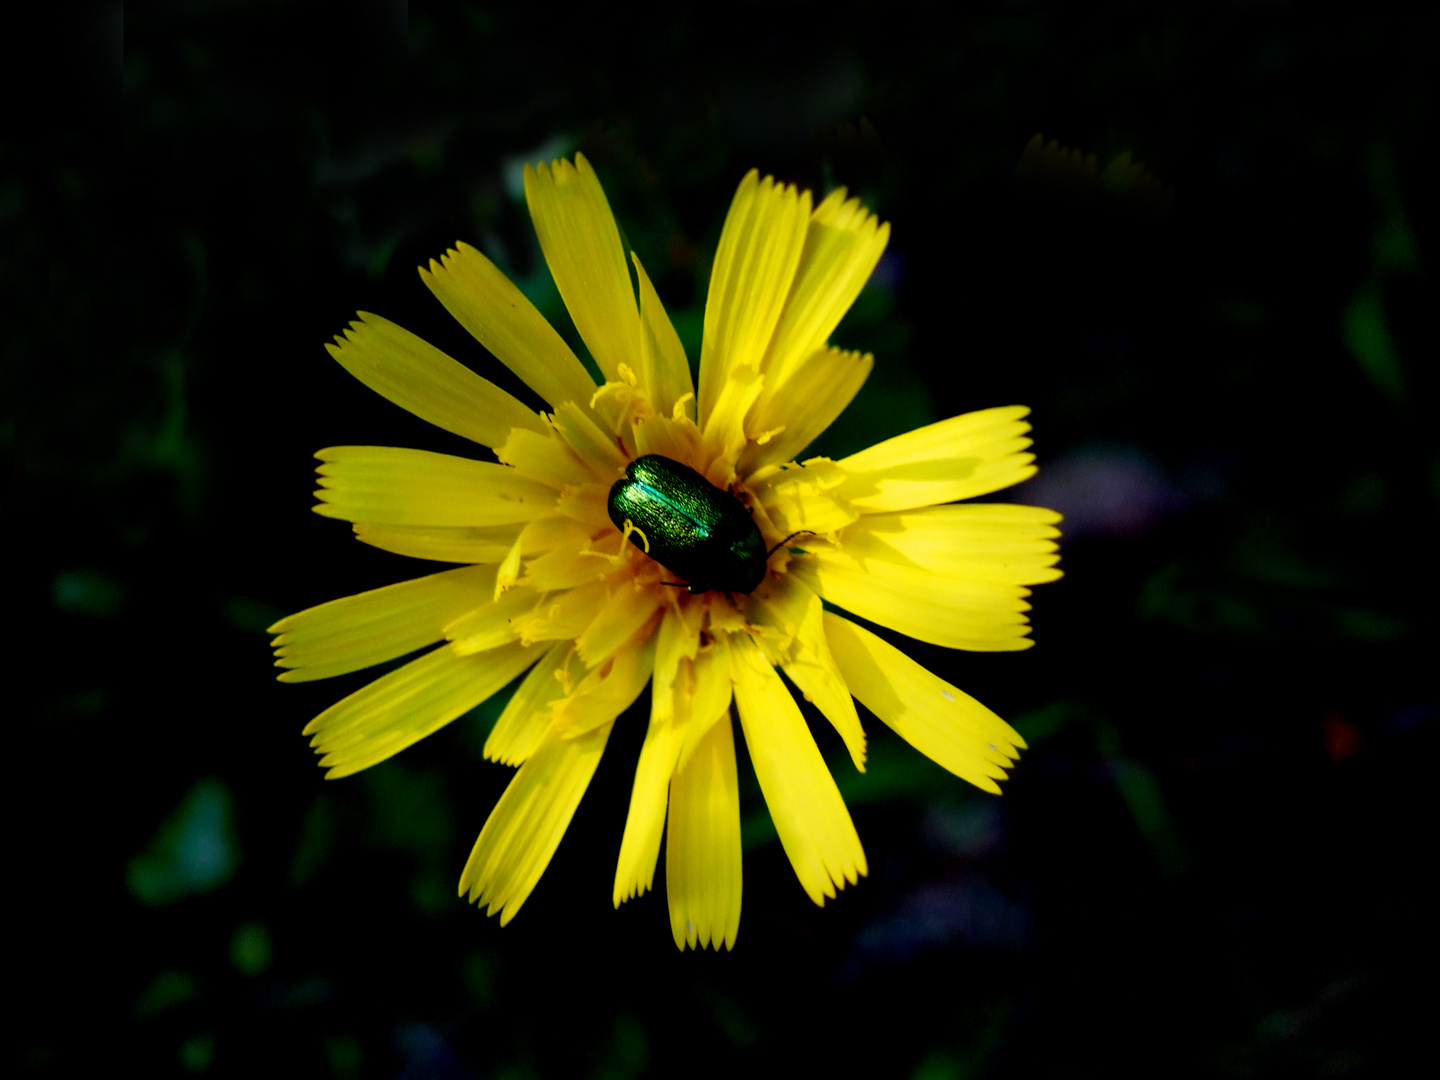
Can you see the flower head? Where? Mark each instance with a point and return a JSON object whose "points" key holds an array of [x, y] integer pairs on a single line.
{"points": [[548, 587]]}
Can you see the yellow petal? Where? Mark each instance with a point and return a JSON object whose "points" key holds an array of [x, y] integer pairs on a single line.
{"points": [[381, 719], [379, 625], [795, 611], [590, 443], [810, 817], [567, 615], [419, 377], [664, 371], [943, 723], [677, 639], [725, 434], [588, 503], [472, 544], [626, 613], [493, 624], [755, 263], [843, 242], [981, 616], [582, 248], [802, 404], [678, 440], [564, 568], [710, 694], [545, 458], [800, 498], [989, 542], [508, 572], [609, 689], [526, 716], [526, 826], [551, 532], [645, 820], [728, 619], [443, 543], [399, 486], [968, 455], [702, 854], [498, 315]]}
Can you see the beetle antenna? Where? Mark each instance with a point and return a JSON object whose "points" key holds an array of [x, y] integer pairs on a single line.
{"points": [[782, 543]]}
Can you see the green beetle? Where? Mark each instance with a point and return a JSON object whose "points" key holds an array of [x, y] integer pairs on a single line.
{"points": [[689, 526]]}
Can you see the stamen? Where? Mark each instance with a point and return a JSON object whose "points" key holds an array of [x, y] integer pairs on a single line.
{"points": [[562, 673], [620, 555], [631, 527], [617, 404]]}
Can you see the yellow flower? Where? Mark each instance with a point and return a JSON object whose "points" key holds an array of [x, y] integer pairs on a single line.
{"points": [[547, 584]]}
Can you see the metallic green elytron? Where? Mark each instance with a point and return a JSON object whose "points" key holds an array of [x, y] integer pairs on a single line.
{"points": [[697, 531]]}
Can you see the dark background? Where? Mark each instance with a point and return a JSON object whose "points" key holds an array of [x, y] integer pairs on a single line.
{"points": [[1209, 862]]}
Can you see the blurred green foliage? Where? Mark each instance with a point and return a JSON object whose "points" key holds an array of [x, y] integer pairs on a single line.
{"points": [[194, 852]]}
